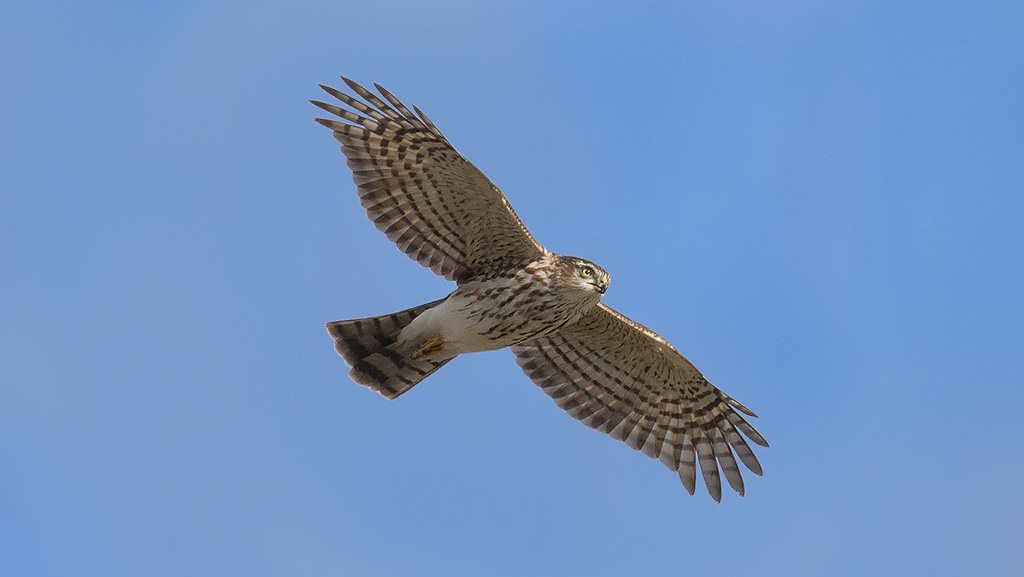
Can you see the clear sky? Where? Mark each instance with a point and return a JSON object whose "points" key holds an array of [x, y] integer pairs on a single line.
{"points": [[820, 203]]}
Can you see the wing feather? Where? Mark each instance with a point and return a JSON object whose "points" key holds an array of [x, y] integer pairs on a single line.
{"points": [[620, 378], [419, 191]]}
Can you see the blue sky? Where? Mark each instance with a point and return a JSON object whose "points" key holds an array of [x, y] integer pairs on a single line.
{"points": [[819, 203]]}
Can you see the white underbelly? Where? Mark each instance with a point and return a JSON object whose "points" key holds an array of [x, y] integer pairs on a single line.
{"points": [[493, 315], [466, 325]]}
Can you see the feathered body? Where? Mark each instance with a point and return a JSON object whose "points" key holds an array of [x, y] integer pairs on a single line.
{"points": [[497, 310], [508, 305]]}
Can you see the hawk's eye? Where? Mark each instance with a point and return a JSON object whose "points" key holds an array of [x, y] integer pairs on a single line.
{"points": [[586, 272]]}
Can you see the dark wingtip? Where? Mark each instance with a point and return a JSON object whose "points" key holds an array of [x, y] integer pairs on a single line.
{"points": [[353, 84], [759, 440], [323, 106], [324, 122]]}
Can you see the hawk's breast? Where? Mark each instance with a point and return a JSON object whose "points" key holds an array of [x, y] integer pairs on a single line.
{"points": [[499, 310]]}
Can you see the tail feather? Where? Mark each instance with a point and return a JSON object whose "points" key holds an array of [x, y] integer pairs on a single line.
{"points": [[391, 373], [369, 346]]}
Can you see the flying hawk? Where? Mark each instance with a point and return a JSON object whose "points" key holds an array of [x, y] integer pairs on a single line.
{"points": [[607, 371]]}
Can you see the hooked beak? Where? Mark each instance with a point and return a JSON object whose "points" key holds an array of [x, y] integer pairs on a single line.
{"points": [[602, 284]]}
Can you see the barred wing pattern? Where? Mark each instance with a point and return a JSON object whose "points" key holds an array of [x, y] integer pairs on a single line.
{"points": [[619, 377], [419, 191]]}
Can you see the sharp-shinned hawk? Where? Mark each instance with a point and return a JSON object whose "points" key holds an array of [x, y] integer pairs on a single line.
{"points": [[607, 371]]}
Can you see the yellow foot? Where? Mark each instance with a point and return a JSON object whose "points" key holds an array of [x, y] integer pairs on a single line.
{"points": [[434, 345]]}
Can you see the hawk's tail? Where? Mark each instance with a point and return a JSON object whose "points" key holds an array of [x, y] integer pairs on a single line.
{"points": [[369, 346]]}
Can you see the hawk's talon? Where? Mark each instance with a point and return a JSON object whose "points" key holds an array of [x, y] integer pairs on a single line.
{"points": [[434, 345]]}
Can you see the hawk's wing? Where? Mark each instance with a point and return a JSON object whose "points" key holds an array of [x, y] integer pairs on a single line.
{"points": [[419, 191], [619, 377]]}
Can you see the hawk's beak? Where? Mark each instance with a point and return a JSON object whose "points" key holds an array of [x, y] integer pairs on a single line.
{"points": [[602, 284]]}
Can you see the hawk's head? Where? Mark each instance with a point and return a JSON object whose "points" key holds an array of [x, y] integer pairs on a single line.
{"points": [[584, 273]]}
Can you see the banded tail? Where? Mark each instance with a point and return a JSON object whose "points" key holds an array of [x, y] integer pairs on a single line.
{"points": [[378, 362]]}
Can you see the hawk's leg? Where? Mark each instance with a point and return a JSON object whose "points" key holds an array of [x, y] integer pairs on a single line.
{"points": [[434, 345]]}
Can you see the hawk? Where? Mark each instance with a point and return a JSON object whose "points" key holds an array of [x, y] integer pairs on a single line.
{"points": [[607, 371]]}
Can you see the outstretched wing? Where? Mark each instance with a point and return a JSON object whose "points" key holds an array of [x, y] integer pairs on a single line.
{"points": [[619, 377], [419, 191]]}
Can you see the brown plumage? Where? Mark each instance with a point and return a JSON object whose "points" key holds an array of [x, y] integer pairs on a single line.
{"points": [[611, 373]]}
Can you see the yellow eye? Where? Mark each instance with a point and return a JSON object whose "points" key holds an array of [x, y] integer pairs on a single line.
{"points": [[586, 272]]}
